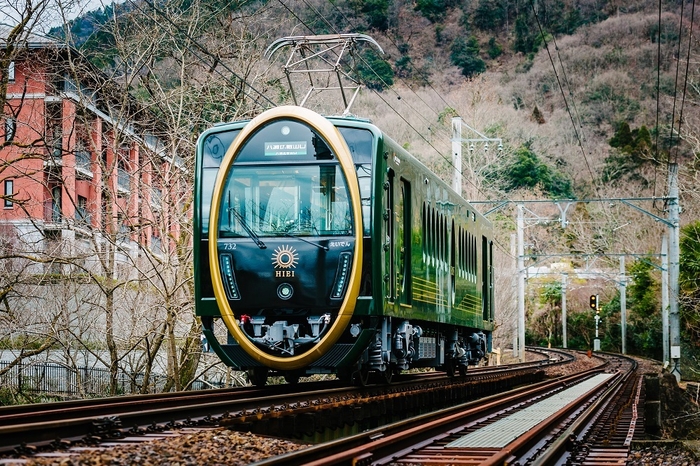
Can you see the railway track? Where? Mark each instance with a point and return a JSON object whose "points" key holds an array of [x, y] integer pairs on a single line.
{"points": [[30, 428], [586, 418]]}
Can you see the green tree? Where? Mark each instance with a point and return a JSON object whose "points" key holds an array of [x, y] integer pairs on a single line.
{"points": [[494, 50], [527, 39], [644, 329], [489, 15], [434, 10], [622, 139], [689, 280], [633, 150], [374, 71], [525, 170], [465, 54], [376, 12]]}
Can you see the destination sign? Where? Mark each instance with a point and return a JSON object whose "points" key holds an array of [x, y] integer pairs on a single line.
{"points": [[285, 148]]}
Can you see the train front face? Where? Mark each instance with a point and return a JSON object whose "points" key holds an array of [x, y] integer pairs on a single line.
{"points": [[285, 238]]}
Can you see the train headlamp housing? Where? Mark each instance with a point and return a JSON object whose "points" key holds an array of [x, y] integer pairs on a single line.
{"points": [[342, 275]]}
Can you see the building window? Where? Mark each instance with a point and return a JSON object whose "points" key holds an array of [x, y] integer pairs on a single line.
{"points": [[56, 214], [10, 127], [82, 215], [11, 72], [9, 192]]}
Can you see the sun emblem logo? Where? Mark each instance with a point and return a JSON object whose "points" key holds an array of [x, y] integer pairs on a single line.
{"points": [[285, 257]]}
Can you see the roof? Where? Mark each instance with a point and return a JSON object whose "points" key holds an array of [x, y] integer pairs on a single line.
{"points": [[29, 39]]}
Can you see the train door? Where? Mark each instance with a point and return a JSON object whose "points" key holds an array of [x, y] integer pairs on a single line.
{"points": [[390, 238], [403, 278], [453, 264]]}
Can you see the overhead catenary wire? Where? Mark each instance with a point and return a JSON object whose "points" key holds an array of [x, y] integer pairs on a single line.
{"points": [[685, 83], [566, 102], [328, 23]]}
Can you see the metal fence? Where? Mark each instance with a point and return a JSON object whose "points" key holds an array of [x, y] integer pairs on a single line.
{"points": [[51, 378]]}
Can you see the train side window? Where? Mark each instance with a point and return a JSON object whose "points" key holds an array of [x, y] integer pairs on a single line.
{"points": [[485, 279], [453, 259], [364, 178], [424, 232]]}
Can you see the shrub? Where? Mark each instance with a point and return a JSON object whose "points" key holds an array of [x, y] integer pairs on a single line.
{"points": [[495, 50]]}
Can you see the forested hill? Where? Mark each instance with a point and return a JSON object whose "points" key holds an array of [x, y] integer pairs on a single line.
{"points": [[582, 93], [589, 99]]}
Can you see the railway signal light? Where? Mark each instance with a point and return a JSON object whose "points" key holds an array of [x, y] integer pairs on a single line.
{"points": [[594, 301]]}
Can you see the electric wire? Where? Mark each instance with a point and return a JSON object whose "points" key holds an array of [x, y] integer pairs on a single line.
{"points": [[421, 73], [685, 83], [563, 95], [658, 96], [499, 245], [399, 114], [384, 83], [675, 88]]}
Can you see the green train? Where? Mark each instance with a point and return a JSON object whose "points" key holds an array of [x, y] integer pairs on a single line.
{"points": [[324, 247]]}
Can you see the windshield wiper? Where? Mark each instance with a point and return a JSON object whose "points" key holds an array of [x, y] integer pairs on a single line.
{"points": [[254, 236], [286, 233]]}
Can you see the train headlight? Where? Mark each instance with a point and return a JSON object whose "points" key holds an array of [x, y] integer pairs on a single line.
{"points": [[341, 275], [285, 291], [229, 278]]}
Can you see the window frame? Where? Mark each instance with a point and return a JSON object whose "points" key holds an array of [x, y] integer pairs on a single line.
{"points": [[10, 127], [9, 187]]}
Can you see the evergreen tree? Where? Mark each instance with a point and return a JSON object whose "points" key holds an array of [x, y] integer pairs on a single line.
{"points": [[465, 54]]}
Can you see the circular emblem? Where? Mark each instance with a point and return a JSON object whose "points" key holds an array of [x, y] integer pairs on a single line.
{"points": [[285, 291], [285, 257]]}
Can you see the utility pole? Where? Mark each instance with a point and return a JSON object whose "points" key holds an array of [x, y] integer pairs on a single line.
{"points": [[669, 266], [457, 154], [673, 269], [664, 296], [457, 141], [623, 304], [563, 308], [521, 283]]}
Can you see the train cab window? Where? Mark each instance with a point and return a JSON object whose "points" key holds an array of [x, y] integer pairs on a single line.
{"points": [[294, 199], [361, 143]]}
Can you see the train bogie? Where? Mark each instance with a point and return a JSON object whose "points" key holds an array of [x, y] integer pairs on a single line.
{"points": [[324, 247]]}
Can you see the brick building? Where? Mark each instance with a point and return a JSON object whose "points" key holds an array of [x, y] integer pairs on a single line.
{"points": [[82, 164]]}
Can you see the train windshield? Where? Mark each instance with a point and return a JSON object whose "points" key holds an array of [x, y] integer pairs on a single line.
{"points": [[274, 200]]}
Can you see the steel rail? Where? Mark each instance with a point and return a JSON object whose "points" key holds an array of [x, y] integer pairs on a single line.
{"points": [[42, 425], [385, 441]]}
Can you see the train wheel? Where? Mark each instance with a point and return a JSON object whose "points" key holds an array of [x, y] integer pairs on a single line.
{"points": [[291, 378], [258, 376], [345, 375], [451, 367], [362, 377], [463, 369], [387, 376]]}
